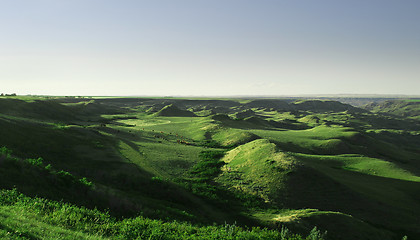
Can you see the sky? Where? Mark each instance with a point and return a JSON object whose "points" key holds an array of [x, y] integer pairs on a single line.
{"points": [[209, 48]]}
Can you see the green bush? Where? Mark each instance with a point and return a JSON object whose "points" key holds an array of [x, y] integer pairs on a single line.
{"points": [[85, 182], [5, 152], [37, 162]]}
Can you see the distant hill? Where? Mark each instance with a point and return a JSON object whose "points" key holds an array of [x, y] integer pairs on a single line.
{"points": [[301, 105], [268, 103], [404, 108], [36, 109], [173, 111], [231, 107], [323, 106]]}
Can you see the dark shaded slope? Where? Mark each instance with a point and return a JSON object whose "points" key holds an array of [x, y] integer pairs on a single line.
{"points": [[57, 110], [244, 114], [34, 178], [323, 106], [278, 104], [49, 109], [180, 103]]}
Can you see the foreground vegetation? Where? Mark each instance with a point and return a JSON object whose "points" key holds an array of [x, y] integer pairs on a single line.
{"points": [[23, 217]]}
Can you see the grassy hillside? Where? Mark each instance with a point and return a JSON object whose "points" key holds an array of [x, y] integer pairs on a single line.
{"points": [[36, 218], [404, 108], [199, 169]]}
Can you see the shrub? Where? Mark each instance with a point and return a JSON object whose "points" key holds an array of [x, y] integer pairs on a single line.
{"points": [[5, 152], [85, 182], [37, 162]]}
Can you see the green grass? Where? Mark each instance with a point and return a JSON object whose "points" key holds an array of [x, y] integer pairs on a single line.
{"points": [[345, 226], [22, 217], [192, 128], [350, 165], [387, 195], [362, 164], [229, 137], [173, 111], [16, 223], [262, 169], [164, 159], [317, 133], [258, 168], [404, 108], [36, 178], [321, 139]]}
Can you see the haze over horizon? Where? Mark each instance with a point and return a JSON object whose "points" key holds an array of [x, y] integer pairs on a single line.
{"points": [[209, 48]]}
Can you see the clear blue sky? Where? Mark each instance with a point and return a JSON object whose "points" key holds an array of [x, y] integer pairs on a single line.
{"points": [[213, 47]]}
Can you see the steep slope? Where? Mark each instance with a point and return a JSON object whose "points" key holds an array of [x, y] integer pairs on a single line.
{"points": [[262, 169]]}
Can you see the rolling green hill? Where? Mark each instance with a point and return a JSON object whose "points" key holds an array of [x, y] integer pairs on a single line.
{"points": [[404, 108], [201, 169]]}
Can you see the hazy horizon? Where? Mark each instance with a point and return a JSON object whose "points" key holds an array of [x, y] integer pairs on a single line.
{"points": [[210, 48]]}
